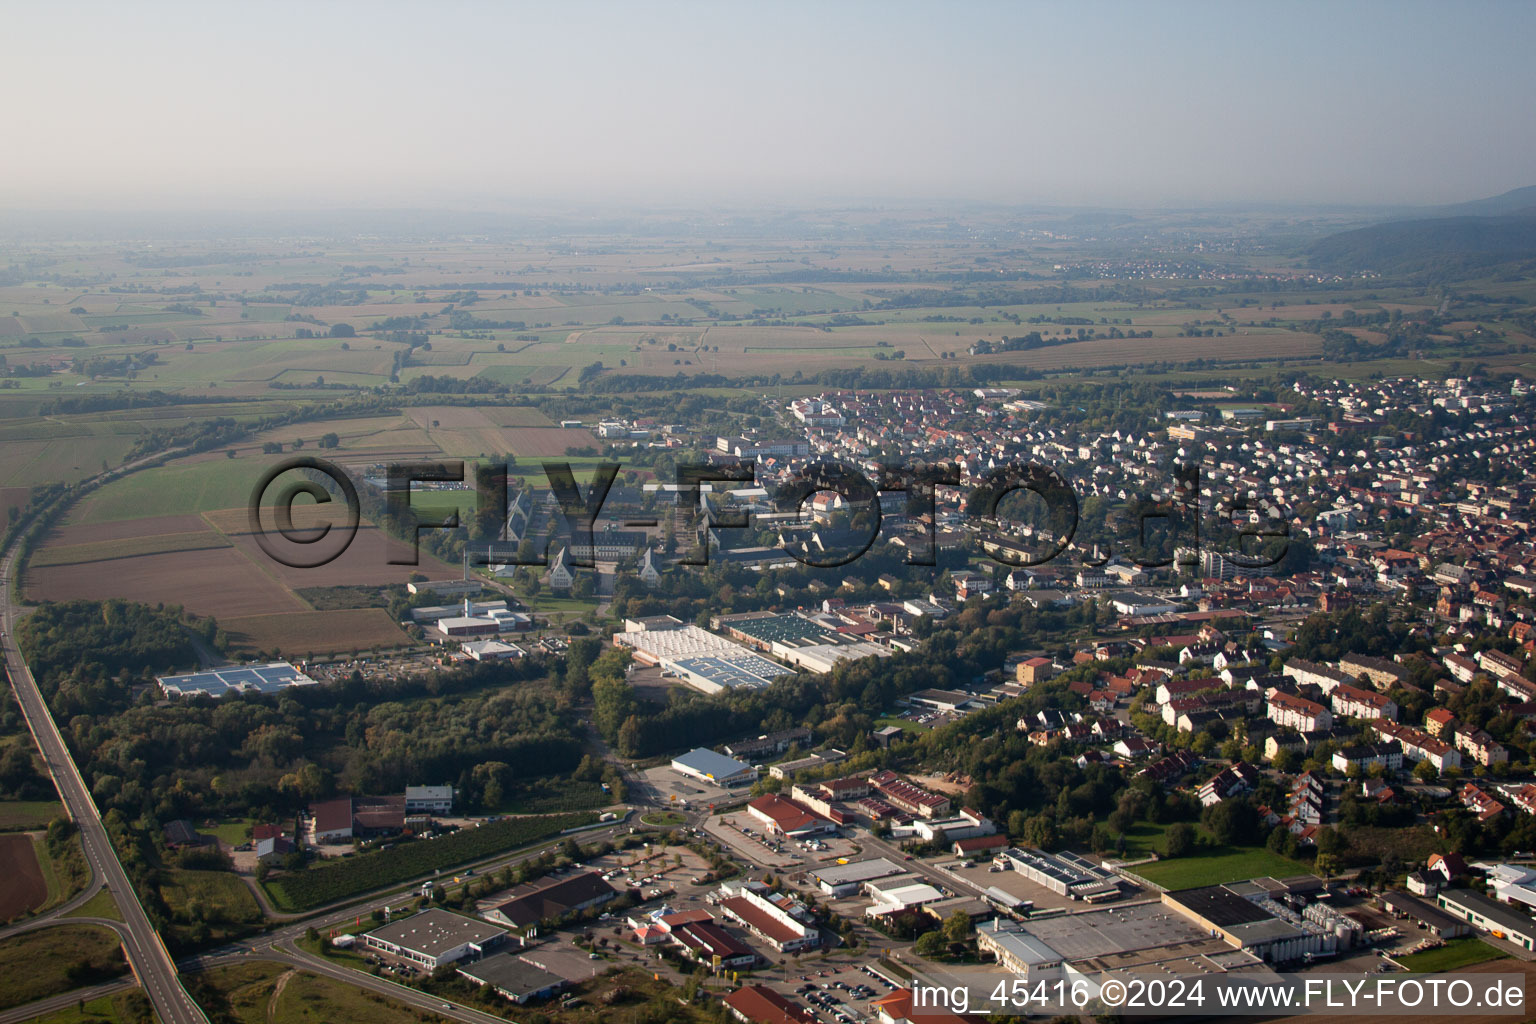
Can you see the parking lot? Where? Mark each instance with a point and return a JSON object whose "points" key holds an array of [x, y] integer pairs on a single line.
{"points": [[834, 993], [667, 787]]}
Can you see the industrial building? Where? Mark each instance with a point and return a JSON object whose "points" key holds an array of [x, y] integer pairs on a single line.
{"points": [[1490, 916], [893, 898], [1248, 916], [514, 978], [268, 678], [1065, 874], [717, 769], [769, 922], [550, 898], [845, 879], [435, 937], [491, 650], [1019, 952], [705, 661], [428, 799]]}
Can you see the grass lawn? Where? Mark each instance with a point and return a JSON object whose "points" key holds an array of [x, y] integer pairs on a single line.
{"points": [[103, 904], [121, 1008], [233, 831], [1215, 865], [50, 873], [20, 815], [1455, 953], [902, 723], [663, 819], [53, 960]]}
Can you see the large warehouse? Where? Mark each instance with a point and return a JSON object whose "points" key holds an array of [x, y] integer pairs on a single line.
{"points": [[704, 660], [268, 678], [1063, 873], [708, 766], [1245, 916]]}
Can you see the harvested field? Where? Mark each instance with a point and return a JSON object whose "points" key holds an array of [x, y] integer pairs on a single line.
{"points": [[462, 431], [536, 442], [297, 634], [86, 533], [215, 582], [109, 550], [516, 416], [21, 877], [364, 562]]}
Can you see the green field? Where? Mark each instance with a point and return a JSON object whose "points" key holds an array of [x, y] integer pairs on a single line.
{"points": [[130, 1007], [53, 960], [257, 993], [107, 550], [102, 905], [1455, 953], [1218, 865], [24, 815], [345, 877], [218, 897], [174, 489]]}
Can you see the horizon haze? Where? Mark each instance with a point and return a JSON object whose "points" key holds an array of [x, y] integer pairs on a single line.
{"points": [[172, 105]]}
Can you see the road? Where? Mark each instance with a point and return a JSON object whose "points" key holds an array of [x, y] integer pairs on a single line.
{"points": [[928, 871], [147, 955]]}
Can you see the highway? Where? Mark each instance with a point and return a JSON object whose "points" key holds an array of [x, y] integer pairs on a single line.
{"points": [[147, 955]]}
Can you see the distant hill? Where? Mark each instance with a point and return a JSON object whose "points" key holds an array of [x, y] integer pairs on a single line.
{"points": [[1450, 245], [1511, 202]]}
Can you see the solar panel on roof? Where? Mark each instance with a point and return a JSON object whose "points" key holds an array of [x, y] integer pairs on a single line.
{"points": [[217, 682]]}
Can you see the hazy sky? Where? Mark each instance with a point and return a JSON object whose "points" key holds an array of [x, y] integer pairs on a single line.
{"points": [[465, 104]]}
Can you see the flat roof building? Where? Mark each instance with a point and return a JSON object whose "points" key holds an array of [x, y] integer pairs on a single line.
{"points": [[1065, 874], [428, 799], [708, 766], [514, 978], [1018, 951], [1245, 916], [435, 937], [268, 678], [845, 879], [1488, 915]]}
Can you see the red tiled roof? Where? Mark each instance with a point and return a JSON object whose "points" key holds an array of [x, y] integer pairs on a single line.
{"points": [[763, 1005]]}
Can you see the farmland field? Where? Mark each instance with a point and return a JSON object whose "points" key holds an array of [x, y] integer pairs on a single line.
{"points": [[40, 963], [22, 887], [107, 550], [309, 632], [338, 879], [217, 581], [16, 815]]}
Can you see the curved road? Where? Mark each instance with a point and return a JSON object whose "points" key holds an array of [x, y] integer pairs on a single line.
{"points": [[147, 955]]}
